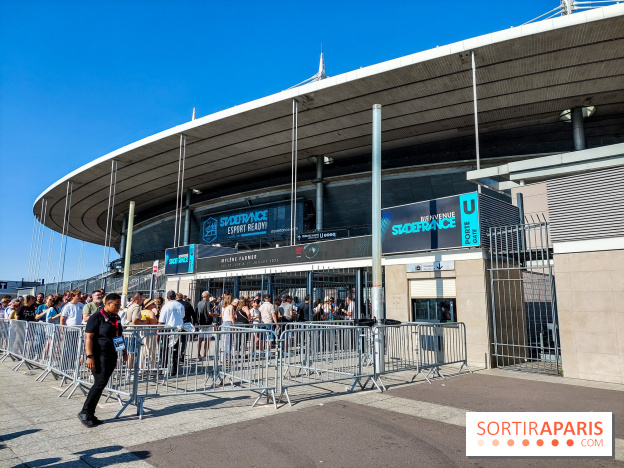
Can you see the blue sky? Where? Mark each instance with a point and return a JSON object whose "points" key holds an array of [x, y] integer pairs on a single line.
{"points": [[79, 79]]}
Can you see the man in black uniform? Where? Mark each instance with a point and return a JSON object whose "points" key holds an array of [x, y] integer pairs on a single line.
{"points": [[103, 339]]}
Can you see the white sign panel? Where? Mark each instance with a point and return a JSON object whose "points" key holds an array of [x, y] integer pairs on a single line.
{"points": [[431, 266]]}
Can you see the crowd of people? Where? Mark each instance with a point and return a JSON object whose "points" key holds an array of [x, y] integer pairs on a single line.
{"points": [[105, 319], [75, 307]]}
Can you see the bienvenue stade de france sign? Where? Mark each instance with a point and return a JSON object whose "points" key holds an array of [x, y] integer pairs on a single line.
{"points": [[443, 223]]}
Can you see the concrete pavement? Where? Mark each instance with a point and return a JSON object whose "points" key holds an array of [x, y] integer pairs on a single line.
{"points": [[411, 424]]}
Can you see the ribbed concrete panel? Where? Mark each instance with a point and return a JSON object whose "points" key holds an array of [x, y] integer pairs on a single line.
{"points": [[587, 206]]}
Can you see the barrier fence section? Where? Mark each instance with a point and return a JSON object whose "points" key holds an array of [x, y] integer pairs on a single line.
{"points": [[422, 348], [266, 359]]}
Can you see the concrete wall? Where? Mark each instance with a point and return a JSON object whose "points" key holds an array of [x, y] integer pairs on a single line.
{"points": [[179, 286], [472, 298], [473, 308], [535, 199], [590, 299]]}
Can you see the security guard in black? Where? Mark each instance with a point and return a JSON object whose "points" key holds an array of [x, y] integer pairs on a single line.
{"points": [[102, 330]]}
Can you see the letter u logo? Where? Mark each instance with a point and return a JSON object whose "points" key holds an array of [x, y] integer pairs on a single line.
{"points": [[472, 206]]}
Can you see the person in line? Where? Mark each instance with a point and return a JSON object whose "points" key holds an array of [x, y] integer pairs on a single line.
{"points": [[228, 316], [28, 311], [103, 340], [304, 310], [171, 316], [40, 300], [286, 309], [205, 318], [350, 310], [43, 309], [4, 305], [328, 309], [134, 314], [243, 314], [268, 317], [71, 313], [53, 313], [92, 307]]}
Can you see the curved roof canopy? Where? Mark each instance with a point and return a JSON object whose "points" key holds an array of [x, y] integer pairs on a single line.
{"points": [[526, 76]]}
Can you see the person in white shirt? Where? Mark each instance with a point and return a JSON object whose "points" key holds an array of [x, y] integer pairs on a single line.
{"points": [[171, 316], [71, 314], [350, 312]]}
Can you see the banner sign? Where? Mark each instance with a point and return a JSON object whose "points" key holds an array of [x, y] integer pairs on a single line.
{"points": [[444, 223], [261, 222], [180, 260], [315, 236], [354, 247]]}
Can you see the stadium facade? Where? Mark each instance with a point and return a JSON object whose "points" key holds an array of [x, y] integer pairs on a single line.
{"points": [[275, 195]]}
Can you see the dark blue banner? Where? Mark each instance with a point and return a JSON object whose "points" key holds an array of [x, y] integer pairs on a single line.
{"points": [[444, 223], [262, 222]]}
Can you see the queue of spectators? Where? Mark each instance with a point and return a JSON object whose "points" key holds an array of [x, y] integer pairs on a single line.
{"points": [[75, 307]]}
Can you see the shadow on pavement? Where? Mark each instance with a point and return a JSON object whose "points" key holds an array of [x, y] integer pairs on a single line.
{"points": [[15, 435]]}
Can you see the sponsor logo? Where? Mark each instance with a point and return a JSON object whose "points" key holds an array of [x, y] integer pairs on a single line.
{"points": [[243, 218], [311, 250], [508, 434], [209, 229]]}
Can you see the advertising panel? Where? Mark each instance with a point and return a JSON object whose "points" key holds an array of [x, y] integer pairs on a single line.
{"points": [[354, 247], [254, 223], [444, 223], [180, 260]]}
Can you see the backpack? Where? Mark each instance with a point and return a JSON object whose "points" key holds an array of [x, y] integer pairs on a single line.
{"points": [[204, 316]]}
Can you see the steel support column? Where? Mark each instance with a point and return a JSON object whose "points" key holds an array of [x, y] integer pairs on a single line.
{"points": [[320, 162], [237, 284], [122, 243], [578, 129], [310, 288], [187, 218], [377, 291], [359, 290]]}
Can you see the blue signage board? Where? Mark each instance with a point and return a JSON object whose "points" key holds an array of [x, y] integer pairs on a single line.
{"points": [[180, 260], [261, 222], [443, 223]]}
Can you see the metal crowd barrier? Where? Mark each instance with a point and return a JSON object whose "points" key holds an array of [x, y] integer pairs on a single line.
{"points": [[421, 347], [267, 360], [315, 354]]}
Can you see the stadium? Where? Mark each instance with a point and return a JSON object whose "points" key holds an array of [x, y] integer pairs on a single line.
{"points": [[274, 195]]}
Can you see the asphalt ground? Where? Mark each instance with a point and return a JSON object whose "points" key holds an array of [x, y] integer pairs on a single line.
{"points": [[338, 434], [479, 392]]}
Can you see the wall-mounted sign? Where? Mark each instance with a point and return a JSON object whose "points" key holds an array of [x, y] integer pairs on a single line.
{"points": [[180, 260], [315, 236], [262, 222], [431, 266], [354, 247], [443, 223]]}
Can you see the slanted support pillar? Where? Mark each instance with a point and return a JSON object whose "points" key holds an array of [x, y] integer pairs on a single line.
{"points": [[126, 273]]}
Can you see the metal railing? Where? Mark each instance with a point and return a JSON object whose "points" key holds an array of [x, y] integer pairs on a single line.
{"points": [[265, 359]]}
